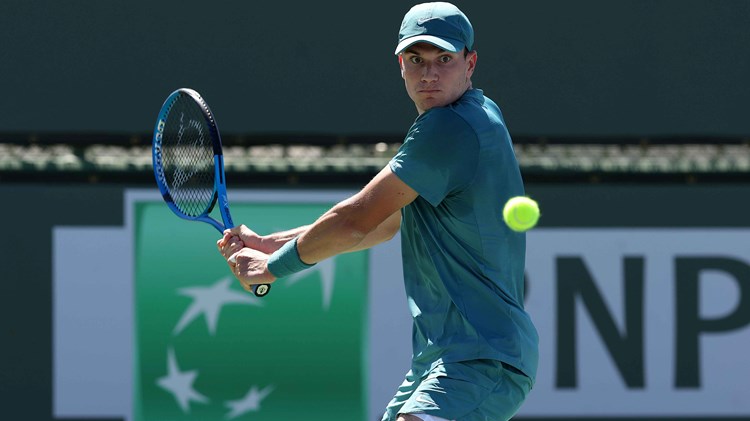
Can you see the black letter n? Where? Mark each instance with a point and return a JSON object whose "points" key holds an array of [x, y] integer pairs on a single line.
{"points": [[626, 349]]}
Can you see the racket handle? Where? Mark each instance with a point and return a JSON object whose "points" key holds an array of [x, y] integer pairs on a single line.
{"points": [[259, 290]]}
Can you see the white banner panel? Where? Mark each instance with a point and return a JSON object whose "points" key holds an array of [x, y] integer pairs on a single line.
{"points": [[640, 322]]}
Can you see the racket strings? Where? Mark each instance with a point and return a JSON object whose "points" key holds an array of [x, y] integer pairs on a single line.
{"points": [[188, 158]]}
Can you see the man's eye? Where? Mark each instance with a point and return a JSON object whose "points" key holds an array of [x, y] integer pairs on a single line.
{"points": [[445, 59], [415, 59]]}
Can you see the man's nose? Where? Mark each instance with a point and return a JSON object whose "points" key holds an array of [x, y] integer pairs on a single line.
{"points": [[429, 73]]}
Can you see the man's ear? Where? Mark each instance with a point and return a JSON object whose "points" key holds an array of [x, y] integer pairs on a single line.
{"points": [[472, 59], [401, 64]]}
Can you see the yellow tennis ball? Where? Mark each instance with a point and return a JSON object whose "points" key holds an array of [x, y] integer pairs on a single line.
{"points": [[521, 213]]}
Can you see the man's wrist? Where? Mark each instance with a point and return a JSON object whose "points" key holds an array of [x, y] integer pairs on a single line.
{"points": [[286, 260], [265, 244]]}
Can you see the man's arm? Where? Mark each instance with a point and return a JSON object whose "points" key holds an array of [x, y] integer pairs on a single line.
{"points": [[362, 221], [245, 237], [382, 233], [242, 236], [369, 217]]}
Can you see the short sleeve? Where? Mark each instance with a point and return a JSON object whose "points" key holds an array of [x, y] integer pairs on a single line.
{"points": [[439, 155]]}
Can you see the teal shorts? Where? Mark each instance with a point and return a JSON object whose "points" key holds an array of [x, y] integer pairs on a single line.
{"points": [[479, 390]]}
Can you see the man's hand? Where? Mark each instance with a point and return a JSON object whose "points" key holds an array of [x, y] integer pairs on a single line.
{"points": [[229, 244], [250, 268], [248, 263], [243, 235]]}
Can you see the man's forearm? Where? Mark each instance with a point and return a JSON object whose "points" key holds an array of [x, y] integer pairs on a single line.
{"points": [[361, 221], [382, 233], [336, 232], [273, 242]]}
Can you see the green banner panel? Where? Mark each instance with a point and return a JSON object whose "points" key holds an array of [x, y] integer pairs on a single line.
{"points": [[207, 350]]}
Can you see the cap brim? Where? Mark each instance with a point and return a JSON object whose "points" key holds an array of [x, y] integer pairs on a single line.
{"points": [[446, 44]]}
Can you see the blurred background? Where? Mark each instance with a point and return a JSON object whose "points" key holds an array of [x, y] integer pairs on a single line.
{"points": [[625, 115]]}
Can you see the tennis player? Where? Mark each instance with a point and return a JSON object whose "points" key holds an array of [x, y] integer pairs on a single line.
{"points": [[474, 347]]}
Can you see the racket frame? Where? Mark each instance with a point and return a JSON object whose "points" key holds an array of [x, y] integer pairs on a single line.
{"points": [[220, 186]]}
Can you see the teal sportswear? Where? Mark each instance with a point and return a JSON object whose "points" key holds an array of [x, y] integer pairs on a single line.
{"points": [[463, 267]]}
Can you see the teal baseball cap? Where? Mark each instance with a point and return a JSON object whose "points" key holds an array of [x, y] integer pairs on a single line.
{"points": [[440, 24]]}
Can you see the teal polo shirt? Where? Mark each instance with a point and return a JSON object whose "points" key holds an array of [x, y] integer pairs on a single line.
{"points": [[463, 267]]}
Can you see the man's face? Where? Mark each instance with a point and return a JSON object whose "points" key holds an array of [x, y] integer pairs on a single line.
{"points": [[435, 77]]}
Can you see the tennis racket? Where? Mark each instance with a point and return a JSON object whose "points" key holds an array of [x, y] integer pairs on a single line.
{"points": [[189, 163]]}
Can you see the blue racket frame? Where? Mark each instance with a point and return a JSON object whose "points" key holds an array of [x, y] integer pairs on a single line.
{"points": [[220, 186], [220, 189]]}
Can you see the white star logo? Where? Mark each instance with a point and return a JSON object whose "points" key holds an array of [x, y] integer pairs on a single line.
{"points": [[180, 383], [250, 403], [327, 277], [209, 301]]}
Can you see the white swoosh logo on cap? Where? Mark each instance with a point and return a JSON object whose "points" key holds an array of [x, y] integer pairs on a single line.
{"points": [[422, 20]]}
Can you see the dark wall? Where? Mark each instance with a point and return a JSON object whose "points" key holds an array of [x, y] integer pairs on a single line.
{"points": [[636, 67]]}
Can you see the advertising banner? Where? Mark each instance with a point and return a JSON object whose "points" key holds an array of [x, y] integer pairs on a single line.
{"points": [[635, 323]]}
